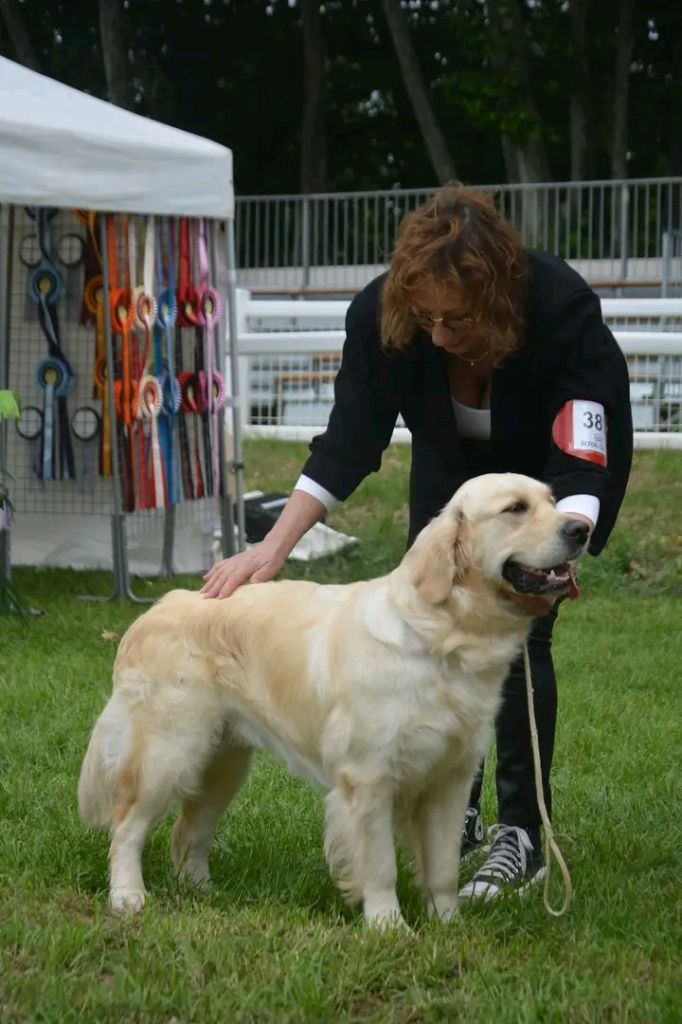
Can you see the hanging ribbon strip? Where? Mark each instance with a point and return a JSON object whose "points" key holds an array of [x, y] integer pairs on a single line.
{"points": [[52, 376], [150, 404], [86, 426], [122, 317], [183, 427], [5, 517], [191, 405], [29, 427], [92, 285], [68, 250], [145, 311], [55, 375], [100, 376], [190, 316], [92, 311], [187, 295], [93, 297], [164, 362]]}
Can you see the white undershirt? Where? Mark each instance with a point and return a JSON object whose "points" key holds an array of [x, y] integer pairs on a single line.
{"points": [[471, 422], [475, 424]]}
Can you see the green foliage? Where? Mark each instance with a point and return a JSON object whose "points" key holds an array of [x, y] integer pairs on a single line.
{"points": [[233, 71], [10, 405]]}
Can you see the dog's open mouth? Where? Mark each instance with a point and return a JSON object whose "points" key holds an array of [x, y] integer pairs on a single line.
{"points": [[526, 579]]}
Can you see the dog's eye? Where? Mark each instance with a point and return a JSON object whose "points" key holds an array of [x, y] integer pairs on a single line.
{"points": [[517, 507]]}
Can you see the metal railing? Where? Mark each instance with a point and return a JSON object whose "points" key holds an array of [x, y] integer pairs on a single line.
{"points": [[290, 350], [610, 231], [671, 281]]}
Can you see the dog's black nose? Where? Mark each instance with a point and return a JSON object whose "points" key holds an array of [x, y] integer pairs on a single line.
{"points": [[576, 530]]}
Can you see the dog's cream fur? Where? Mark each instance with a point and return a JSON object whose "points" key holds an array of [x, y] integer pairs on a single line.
{"points": [[382, 692]]}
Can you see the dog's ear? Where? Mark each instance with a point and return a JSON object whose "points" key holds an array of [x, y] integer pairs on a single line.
{"points": [[439, 558]]}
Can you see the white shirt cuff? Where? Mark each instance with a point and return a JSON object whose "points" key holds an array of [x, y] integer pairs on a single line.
{"points": [[304, 483], [583, 504]]}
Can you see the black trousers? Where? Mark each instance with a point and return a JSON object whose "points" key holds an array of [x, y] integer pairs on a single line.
{"points": [[515, 776]]}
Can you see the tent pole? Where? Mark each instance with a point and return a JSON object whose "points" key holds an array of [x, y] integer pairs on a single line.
{"points": [[167, 567], [6, 229], [225, 440], [117, 524], [233, 342], [6, 281]]}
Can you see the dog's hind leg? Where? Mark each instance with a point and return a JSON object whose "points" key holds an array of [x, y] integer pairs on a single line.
{"points": [[130, 827], [193, 831], [154, 773]]}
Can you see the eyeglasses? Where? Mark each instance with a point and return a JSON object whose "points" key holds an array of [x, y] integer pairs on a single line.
{"points": [[451, 322]]}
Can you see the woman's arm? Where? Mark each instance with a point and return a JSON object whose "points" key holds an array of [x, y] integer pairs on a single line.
{"points": [[262, 562], [587, 386]]}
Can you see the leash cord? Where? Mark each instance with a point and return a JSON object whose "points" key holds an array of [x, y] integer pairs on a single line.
{"points": [[551, 845]]}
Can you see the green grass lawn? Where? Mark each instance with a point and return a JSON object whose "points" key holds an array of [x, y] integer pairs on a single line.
{"points": [[272, 941]]}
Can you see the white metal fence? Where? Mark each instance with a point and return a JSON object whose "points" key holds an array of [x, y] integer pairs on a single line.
{"points": [[671, 282], [290, 350], [610, 231]]}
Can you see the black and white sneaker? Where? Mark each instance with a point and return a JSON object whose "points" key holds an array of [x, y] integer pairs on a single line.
{"points": [[513, 865], [473, 835]]}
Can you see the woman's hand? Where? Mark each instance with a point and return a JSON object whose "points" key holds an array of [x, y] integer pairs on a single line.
{"points": [[265, 560], [258, 565]]}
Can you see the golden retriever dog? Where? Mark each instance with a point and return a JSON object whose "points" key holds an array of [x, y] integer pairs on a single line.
{"points": [[382, 692]]}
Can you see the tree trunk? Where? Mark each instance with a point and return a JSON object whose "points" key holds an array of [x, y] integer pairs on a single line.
{"points": [[525, 155], [434, 140], [581, 162], [313, 135], [674, 105], [511, 162], [626, 40], [114, 51], [16, 30]]}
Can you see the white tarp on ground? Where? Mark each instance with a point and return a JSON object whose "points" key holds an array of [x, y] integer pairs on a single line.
{"points": [[61, 147], [84, 542]]}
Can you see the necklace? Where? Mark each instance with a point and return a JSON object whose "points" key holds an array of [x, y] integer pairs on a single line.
{"points": [[471, 362]]}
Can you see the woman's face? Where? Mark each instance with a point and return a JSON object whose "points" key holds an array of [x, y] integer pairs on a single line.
{"points": [[441, 311]]}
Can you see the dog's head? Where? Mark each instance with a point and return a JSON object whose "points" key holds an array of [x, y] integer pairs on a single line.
{"points": [[504, 530]]}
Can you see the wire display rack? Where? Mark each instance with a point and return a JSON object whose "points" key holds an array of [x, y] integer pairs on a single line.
{"points": [[112, 340]]}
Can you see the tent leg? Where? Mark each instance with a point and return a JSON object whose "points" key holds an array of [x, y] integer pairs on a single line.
{"points": [[237, 464], [226, 497], [11, 600], [5, 294], [167, 567]]}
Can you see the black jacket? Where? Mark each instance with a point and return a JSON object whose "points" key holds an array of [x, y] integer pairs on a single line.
{"points": [[567, 353]]}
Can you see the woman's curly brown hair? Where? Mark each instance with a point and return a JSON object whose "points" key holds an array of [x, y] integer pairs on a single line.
{"points": [[458, 238]]}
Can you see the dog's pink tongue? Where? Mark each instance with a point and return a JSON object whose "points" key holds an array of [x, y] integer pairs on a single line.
{"points": [[575, 589]]}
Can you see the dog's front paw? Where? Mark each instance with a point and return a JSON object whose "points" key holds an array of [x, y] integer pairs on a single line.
{"points": [[386, 920], [126, 901], [442, 906]]}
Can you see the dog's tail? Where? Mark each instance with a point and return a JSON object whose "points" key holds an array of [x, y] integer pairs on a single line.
{"points": [[101, 783]]}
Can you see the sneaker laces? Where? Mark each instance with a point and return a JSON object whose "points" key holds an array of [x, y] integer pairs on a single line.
{"points": [[472, 814], [473, 826], [508, 855]]}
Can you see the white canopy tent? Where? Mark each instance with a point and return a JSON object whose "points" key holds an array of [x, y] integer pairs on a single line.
{"points": [[62, 148]]}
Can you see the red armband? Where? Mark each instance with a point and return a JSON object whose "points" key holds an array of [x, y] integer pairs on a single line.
{"points": [[579, 429]]}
